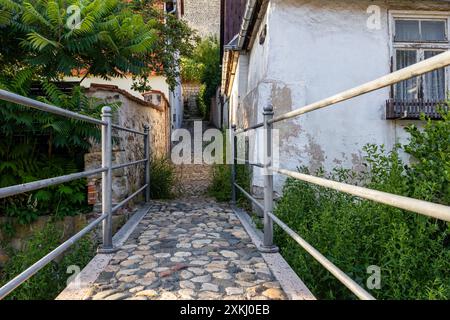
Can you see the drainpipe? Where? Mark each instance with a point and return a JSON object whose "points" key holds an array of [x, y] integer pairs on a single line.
{"points": [[249, 10]]}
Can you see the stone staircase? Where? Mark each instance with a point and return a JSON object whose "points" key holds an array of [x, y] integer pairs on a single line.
{"points": [[193, 180]]}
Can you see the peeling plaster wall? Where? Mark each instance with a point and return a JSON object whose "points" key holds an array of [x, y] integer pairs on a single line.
{"points": [[254, 91], [315, 49]]}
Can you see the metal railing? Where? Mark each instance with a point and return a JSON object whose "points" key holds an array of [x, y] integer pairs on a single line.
{"points": [[413, 109], [106, 171], [425, 208]]}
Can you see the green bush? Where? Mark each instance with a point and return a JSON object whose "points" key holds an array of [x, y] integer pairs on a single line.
{"points": [[431, 172], [162, 179], [203, 66], [221, 183], [412, 251], [35, 145], [52, 279], [203, 104]]}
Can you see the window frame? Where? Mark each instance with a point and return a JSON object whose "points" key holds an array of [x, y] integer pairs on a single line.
{"points": [[420, 20], [419, 46]]}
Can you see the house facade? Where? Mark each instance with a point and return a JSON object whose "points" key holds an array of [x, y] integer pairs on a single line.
{"points": [[290, 53]]}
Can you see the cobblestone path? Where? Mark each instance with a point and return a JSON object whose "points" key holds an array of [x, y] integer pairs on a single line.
{"points": [[188, 249]]}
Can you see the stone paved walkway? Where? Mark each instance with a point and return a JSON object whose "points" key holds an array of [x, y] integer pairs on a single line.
{"points": [[188, 249]]}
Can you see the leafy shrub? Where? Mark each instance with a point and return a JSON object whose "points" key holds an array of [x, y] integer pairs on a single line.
{"points": [[221, 183], [412, 251], [113, 38], [67, 199], [37, 145], [203, 104], [162, 178], [203, 66], [430, 173], [52, 279]]}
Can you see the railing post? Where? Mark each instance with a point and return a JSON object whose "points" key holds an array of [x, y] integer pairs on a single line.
{"points": [[147, 163], [268, 246], [233, 163], [107, 246]]}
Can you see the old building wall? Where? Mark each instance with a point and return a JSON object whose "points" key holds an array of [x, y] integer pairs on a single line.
{"points": [[314, 49], [203, 16], [127, 147]]}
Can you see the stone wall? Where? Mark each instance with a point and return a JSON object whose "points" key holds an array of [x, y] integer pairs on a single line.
{"points": [[22, 232], [203, 16], [133, 113]]}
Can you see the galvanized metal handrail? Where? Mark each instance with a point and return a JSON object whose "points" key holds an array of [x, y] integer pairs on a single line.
{"points": [[327, 264], [106, 171], [115, 126], [125, 201], [31, 103], [130, 164], [32, 270], [256, 126], [36, 185], [249, 197], [243, 161], [425, 208]]}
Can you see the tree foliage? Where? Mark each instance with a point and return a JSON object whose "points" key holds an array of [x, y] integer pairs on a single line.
{"points": [[174, 39], [36, 145], [204, 67], [109, 38]]}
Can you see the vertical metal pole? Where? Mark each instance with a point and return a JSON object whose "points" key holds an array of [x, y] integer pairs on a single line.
{"points": [[268, 246], [233, 163], [107, 181], [147, 163]]}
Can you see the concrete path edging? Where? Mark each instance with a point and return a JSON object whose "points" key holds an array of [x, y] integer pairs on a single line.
{"points": [[292, 285]]}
